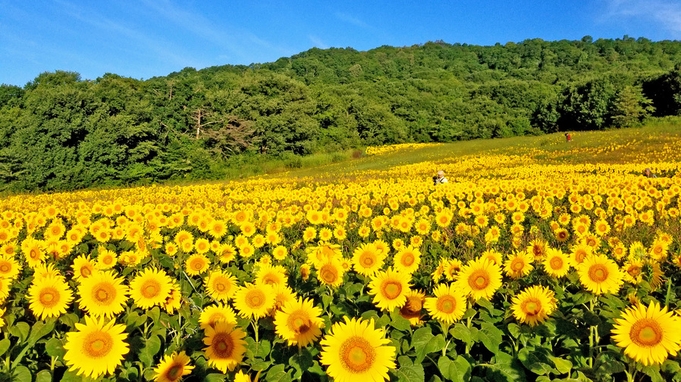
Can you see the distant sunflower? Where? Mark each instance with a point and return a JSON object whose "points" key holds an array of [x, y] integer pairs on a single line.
{"points": [[9, 267], [389, 289], [533, 305], [480, 279], [173, 367], [225, 346], [95, 348], [448, 305], [174, 300], [283, 294], [213, 314], [221, 285], [600, 275], [356, 351], [331, 273], [271, 275], [556, 263], [254, 300], [299, 322], [519, 264], [407, 260], [196, 264], [49, 297], [83, 267], [413, 308], [632, 271], [367, 259], [150, 287], [103, 294], [648, 335]]}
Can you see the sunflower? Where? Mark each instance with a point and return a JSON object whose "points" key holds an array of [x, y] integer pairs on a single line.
{"points": [[331, 273], [220, 285], [105, 259], [226, 253], [492, 255], [32, 251], [225, 346], [407, 260], [519, 265], [103, 294], [254, 300], [632, 271], [82, 267], [648, 335], [533, 305], [150, 287], [49, 296], [95, 348], [537, 248], [241, 377], [283, 294], [579, 253], [367, 259], [173, 367], [412, 309], [356, 351], [280, 252], [448, 305], [556, 263], [299, 322], [479, 278], [271, 275], [196, 264], [389, 289], [9, 268], [213, 314], [174, 300], [600, 275]]}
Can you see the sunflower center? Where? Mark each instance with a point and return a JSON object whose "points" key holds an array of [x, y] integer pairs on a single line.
{"points": [[556, 263], [329, 274], [34, 254], [598, 273], [357, 355], [97, 344], [104, 293], [270, 279], [85, 272], [391, 289], [150, 289], [446, 304], [517, 265], [220, 286], [408, 259], [223, 345], [175, 372], [479, 280], [49, 297], [197, 264], [367, 260], [255, 299], [646, 332], [5, 268], [531, 306], [634, 271], [414, 304], [300, 323], [579, 256]]}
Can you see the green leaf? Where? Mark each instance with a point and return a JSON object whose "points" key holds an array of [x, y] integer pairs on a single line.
{"points": [[408, 371], [260, 365], [277, 374], [215, 377], [43, 376], [456, 370], [425, 343], [69, 319], [562, 365], [653, 372], [536, 360], [154, 314], [514, 330], [21, 330], [461, 332], [55, 348], [490, 336], [398, 322], [4, 346], [21, 373], [39, 330], [301, 361], [151, 347], [260, 349]]}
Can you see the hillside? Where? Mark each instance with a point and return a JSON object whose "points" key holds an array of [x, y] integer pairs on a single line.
{"points": [[60, 132]]}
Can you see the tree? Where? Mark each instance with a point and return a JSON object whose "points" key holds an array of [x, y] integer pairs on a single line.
{"points": [[630, 107]]}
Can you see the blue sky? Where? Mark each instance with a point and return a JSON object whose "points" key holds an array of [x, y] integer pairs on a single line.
{"points": [[147, 38]]}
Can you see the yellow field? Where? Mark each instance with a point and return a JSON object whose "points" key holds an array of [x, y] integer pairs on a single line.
{"points": [[539, 261]]}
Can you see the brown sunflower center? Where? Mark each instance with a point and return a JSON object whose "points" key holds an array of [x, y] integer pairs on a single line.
{"points": [[479, 280], [150, 289], [5, 267], [197, 264], [357, 355], [368, 260], [517, 265], [646, 332], [49, 297], [255, 299], [85, 271], [446, 304], [531, 306], [408, 259], [97, 344], [223, 345], [328, 274], [391, 289], [598, 273], [104, 293], [556, 263], [175, 372], [634, 270], [299, 322]]}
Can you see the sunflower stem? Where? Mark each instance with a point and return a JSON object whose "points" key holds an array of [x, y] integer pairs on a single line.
{"points": [[255, 329]]}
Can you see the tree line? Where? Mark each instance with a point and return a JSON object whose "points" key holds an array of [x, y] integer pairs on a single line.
{"points": [[59, 132]]}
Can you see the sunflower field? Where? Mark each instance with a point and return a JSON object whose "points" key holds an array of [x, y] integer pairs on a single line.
{"points": [[516, 270]]}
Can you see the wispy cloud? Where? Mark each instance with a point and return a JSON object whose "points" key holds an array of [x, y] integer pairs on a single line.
{"points": [[318, 42], [351, 20], [667, 13]]}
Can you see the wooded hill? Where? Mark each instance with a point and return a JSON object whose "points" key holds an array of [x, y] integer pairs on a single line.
{"points": [[59, 132]]}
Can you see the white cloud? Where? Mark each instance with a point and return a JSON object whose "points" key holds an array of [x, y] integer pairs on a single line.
{"points": [[317, 42], [667, 13], [351, 19]]}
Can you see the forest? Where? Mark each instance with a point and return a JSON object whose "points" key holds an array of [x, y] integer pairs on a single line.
{"points": [[60, 132]]}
